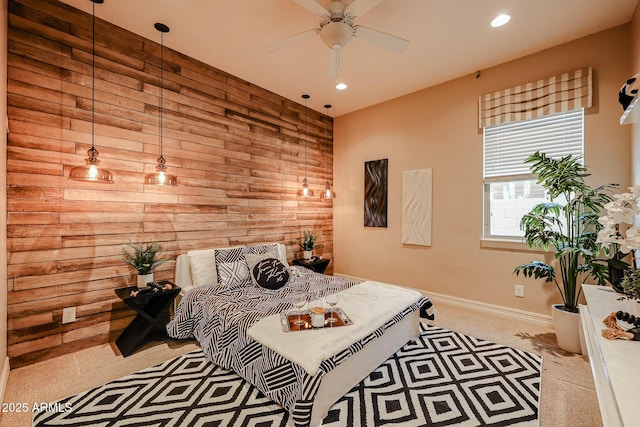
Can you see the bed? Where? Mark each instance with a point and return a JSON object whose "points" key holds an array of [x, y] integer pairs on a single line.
{"points": [[238, 327]]}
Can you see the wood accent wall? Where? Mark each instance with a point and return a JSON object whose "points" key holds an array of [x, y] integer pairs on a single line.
{"points": [[237, 150]]}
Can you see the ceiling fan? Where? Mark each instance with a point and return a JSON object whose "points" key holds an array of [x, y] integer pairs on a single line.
{"points": [[337, 28]]}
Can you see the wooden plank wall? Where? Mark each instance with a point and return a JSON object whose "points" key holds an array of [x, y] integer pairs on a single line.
{"points": [[236, 149]]}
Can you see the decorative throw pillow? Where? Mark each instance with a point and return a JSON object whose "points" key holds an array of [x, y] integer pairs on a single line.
{"points": [[231, 267], [267, 272], [203, 267], [251, 259]]}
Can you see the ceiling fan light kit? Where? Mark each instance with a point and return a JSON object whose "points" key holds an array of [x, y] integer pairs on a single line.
{"points": [[336, 34], [336, 28]]}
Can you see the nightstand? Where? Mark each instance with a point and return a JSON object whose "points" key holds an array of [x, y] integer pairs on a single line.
{"points": [[153, 314], [319, 265]]}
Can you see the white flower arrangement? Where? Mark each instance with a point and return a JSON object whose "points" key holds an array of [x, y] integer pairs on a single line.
{"points": [[621, 210]]}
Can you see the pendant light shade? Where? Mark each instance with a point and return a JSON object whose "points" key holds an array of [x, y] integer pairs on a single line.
{"points": [[91, 172], [306, 191], [160, 176], [327, 194]]}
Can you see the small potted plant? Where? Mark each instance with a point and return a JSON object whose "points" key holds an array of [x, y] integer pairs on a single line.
{"points": [[631, 283], [142, 257], [307, 243]]}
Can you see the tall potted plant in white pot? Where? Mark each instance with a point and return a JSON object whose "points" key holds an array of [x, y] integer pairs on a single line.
{"points": [[568, 225]]}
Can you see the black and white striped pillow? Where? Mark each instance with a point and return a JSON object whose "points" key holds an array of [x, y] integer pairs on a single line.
{"points": [[231, 267]]}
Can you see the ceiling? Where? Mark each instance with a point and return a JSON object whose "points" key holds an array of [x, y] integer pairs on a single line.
{"points": [[448, 39]]}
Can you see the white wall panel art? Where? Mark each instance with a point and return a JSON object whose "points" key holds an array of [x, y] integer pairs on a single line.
{"points": [[416, 206]]}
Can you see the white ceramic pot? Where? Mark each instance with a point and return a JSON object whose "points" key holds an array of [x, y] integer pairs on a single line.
{"points": [[307, 254], [567, 326], [144, 279]]}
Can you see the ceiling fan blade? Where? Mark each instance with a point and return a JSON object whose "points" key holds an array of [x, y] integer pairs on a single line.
{"points": [[333, 62], [381, 39], [281, 44], [313, 7], [360, 7]]}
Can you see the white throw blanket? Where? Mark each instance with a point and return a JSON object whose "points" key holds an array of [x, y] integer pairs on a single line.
{"points": [[369, 305]]}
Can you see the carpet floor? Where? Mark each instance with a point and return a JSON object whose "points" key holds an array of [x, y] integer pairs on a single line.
{"points": [[442, 378]]}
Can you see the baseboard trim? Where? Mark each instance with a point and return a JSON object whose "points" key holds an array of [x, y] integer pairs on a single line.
{"points": [[498, 310], [4, 378]]}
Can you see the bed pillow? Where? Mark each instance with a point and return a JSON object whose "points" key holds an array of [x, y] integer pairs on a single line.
{"points": [[267, 247], [231, 267], [252, 258], [267, 272], [203, 267]]}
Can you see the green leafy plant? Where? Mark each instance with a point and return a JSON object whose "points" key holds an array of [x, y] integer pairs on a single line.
{"points": [[308, 241], [142, 256], [631, 283], [569, 227]]}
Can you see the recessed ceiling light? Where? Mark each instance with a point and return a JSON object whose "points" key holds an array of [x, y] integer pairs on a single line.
{"points": [[500, 20], [341, 86]]}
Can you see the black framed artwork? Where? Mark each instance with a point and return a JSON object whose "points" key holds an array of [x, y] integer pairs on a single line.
{"points": [[376, 174]]}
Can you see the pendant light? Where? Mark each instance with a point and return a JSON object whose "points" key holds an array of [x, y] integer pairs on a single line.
{"points": [[327, 194], [91, 172], [306, 191], [160, 176]]}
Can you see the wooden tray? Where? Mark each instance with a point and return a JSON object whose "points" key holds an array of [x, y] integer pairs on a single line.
{"points": [[287, 320]]}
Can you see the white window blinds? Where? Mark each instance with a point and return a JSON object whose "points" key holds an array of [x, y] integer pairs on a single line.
{"points": [[507, 146]]}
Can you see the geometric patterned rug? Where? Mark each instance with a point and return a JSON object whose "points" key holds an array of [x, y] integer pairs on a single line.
{"points": [[442, 378]]}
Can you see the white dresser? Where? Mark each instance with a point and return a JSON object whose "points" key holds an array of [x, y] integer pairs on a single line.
{"points": [[615, 364]]}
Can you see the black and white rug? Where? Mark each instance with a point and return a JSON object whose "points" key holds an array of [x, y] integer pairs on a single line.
{"points": [[443, 378]]}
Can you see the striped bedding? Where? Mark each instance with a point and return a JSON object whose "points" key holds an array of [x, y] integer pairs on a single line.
{"points": [[219, 318]]}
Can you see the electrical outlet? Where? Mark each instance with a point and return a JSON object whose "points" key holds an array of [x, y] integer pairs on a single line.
{"points": [[68, 314], [519, 291]]}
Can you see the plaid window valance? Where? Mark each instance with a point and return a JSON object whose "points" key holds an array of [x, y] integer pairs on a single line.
{"points": [[556, 94]]}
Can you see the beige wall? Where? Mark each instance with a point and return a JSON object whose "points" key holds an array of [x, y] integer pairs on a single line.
{"points": [[438, 128], [635, 68], [634, 52]]}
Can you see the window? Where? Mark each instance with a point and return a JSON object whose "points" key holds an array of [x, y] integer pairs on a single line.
{"points": [[510, 191]]}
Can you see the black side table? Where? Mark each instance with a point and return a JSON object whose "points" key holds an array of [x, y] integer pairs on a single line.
{"points": [[319, 265], [153, 314]]}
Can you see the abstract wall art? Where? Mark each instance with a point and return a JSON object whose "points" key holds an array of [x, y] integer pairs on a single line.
{"points": [[376, 174]]}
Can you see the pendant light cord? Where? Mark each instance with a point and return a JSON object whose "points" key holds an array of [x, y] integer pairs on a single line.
{"points": [[93, 75], [305, 138], [326, 165], [161, 85]]}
